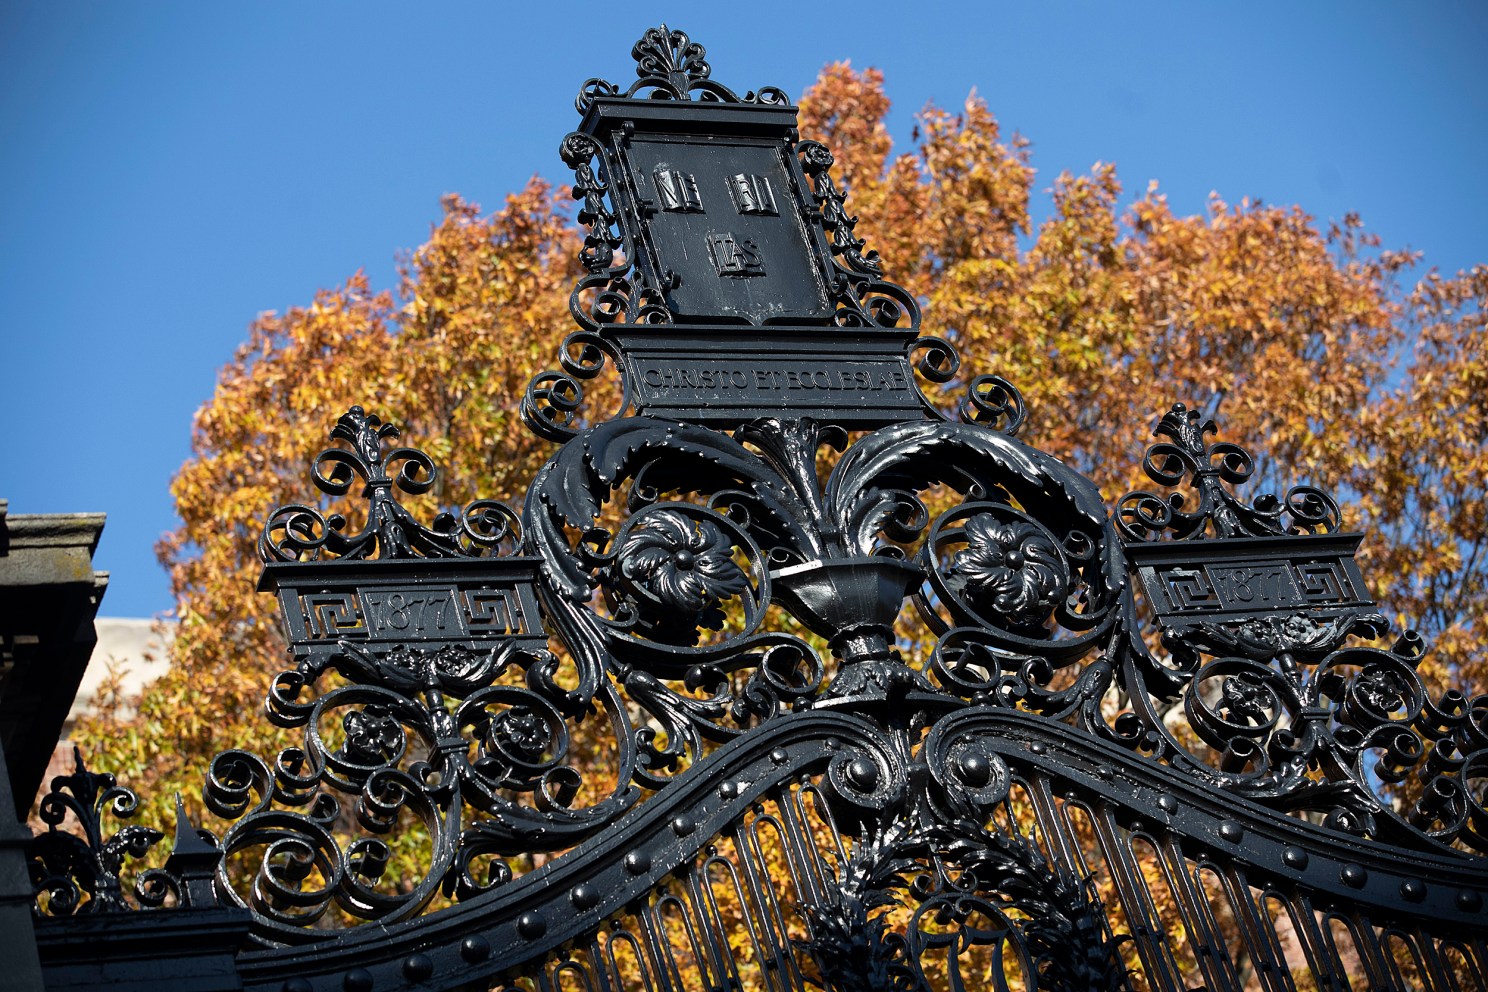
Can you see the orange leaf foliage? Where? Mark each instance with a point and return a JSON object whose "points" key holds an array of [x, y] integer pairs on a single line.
{"points": [[1103, 316]]}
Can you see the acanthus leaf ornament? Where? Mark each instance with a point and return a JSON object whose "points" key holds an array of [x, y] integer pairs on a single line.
{"points": [[671, 66], [722, 563]]}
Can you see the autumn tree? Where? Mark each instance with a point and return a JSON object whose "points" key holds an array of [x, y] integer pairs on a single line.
{"points": [[1420, 466], [1300, 336], [477, 314]]}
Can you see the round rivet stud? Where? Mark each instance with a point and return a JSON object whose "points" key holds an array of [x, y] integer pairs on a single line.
{"points": [[1469, 901], [1105, 771], [1294, 858], [357, 980], [862, 773], [1167, 804], [1231, 831], [728, 790], [532, 925], [475, 949], [683, 825], [418, 967], [975, 769], [1413, 890], [1038, 748], [833, 743], [584, 896], [779, 756], [638, 862], [1354, 876], [298, 985]]}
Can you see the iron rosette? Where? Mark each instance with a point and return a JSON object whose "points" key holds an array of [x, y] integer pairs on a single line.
{"points": [[1023, 573], [1018, 580], [664, 599]]}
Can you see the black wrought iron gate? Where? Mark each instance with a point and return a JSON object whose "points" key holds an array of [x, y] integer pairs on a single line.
{"points": [[671, 728]]}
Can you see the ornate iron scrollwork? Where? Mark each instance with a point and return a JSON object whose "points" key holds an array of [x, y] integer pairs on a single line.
{"points": [[798, 615], [80, 874], [864, 298], [1257, 603], [299, 533], [449, 705], [962, 884], [1187, 454], [955, 876], [652, 611], [65, 866]]}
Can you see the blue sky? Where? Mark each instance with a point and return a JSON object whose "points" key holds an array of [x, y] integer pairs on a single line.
{"points": [[169, 170]]}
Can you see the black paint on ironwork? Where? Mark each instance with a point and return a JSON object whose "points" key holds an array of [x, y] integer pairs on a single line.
{"points": [[1181, 706]]}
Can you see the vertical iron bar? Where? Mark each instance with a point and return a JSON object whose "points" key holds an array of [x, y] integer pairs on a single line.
{"points": [[1150, 938], [1264, 942], [668, 975], [773, 970], [1193, 906]]}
